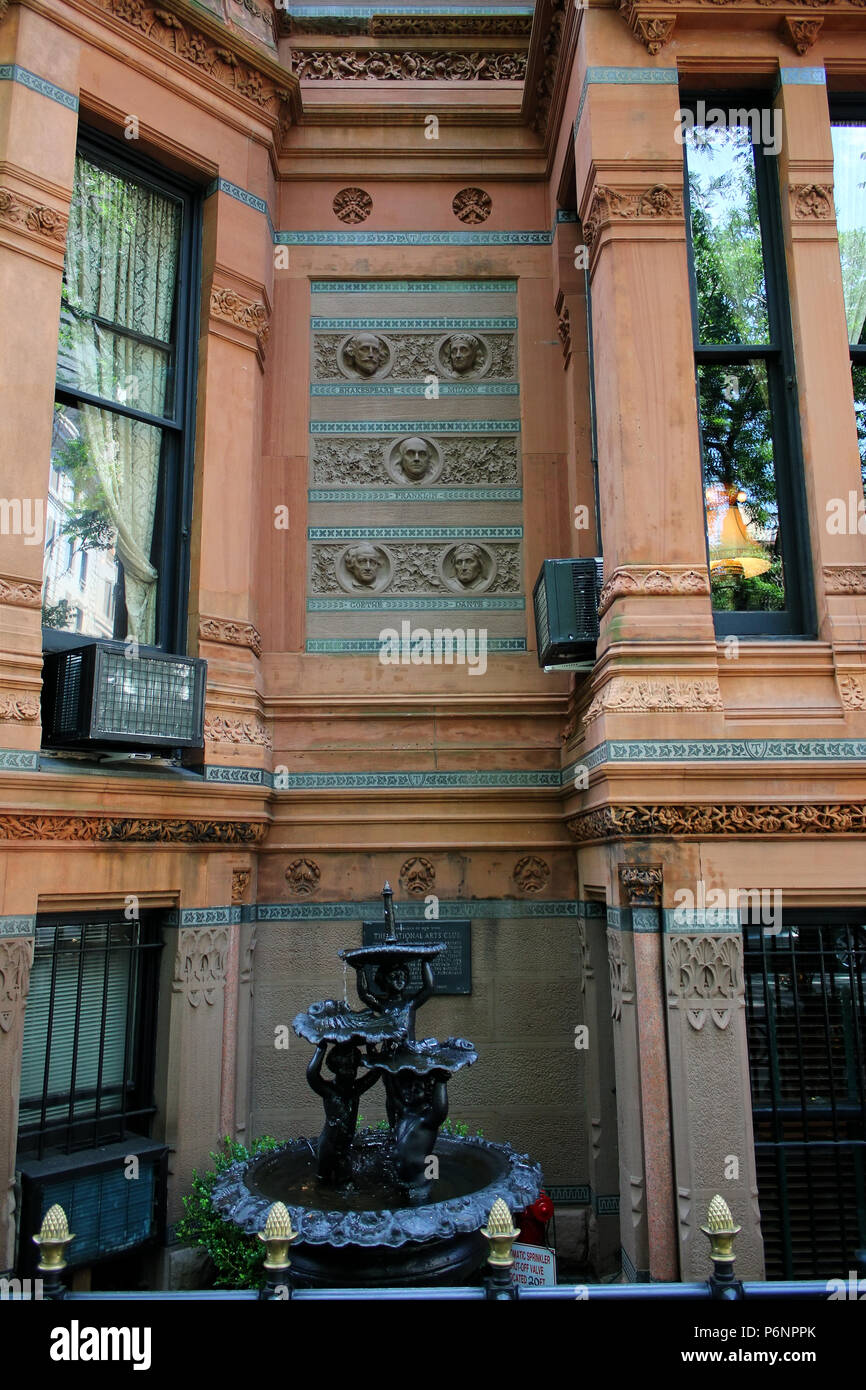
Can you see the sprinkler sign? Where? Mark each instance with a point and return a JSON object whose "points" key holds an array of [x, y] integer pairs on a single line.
{"points": [[533, 1265]]}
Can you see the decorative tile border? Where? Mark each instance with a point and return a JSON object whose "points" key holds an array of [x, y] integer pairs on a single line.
{"points": [[388, 7], [802, 77], [203, 916], [414, 781], [605, 1205], [414, 426], [242, 195], [18, 926], [743, 750], [446, 388], [414, 286], [372, 646], [692, 920], [405, 494], [397, 604], [624, 76], [242, 776], [473, 908], [17, 760], [11, 72], [637, 921], [412, 238], [575, 1194], [383, 325], [414, 533]]}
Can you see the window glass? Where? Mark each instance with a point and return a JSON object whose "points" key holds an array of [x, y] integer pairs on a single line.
{"points": [[849, 195]]}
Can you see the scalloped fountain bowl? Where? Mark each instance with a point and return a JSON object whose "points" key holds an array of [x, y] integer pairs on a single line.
{"points": [[364, 1233]]}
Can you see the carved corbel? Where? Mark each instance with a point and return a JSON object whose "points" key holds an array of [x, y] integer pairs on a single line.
{"points": [[652, 30], [800, 33]]}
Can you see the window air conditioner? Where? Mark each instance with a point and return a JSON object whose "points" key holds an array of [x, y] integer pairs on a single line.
{"points": [[566, 597]]}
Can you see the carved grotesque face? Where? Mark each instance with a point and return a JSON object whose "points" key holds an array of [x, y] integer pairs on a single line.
{"points": [[394, 980], [363, 352], [414, 458], [467, 564], [362, 562], [462, 354]]}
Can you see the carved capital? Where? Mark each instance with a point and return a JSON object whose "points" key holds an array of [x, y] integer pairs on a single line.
{"points": [[643, 205], [800, 33], [641, 884], [705, 976], [248, 314], [844, 579], [240, 884], [200, 963], [16, 957], [25, 215], [623, 695], [224, 729], [653, 30], [650, 581], [20, 593], [233, 634], [811, 202]]}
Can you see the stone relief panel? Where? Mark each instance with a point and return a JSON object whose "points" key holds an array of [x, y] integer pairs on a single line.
{"points": [[373, 356], [417, 460], [413, 567]]}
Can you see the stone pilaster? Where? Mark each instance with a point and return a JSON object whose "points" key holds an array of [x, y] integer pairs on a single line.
{"points": [[600, 1088], [16, 957]]}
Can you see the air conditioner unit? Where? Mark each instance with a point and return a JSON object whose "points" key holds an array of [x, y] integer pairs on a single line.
{"points": [[566, 597], [107, 694]]}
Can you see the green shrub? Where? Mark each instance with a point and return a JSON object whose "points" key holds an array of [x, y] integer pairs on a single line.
{"points": [[238, 1257]]}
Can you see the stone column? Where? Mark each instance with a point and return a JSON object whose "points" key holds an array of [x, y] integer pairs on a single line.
{"points": [[16, 957], [600, 1092]]}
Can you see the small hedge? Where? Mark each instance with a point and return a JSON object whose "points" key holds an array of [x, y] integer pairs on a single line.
{"points": [[238, 1257]]}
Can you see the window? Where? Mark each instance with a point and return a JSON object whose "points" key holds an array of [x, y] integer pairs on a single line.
{"points": [[121, 443], [755, 505], [89, 1032], [849, 193]]}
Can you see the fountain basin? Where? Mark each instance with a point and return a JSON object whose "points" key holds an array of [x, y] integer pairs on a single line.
{"points": [[365, 1233]]}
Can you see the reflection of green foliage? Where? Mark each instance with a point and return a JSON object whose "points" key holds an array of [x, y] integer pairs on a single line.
{"points": [[88, 519], [764, 593], [239, 1258], [859, 376], [57, 615]]}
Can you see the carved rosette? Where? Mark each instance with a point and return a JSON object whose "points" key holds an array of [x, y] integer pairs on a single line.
{"points": [[705, 976], [621, 821], [247, 314], [131, 830], [406, 65], [20, 593], [223, 729], [844, 579], [200, 963], [652, 30], [233, 634], [417, 876], [303, 877], [352, 205], [811, 202], [240, 884], [472, 205], [636, 581], [621, 990], [26, 215], [531, 874], [641, 884], [609, 206], [20, 709], [625, 696], [800, 33], [16, 957]]}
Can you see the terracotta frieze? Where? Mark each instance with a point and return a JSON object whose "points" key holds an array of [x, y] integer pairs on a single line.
{"points": [[22, 709], [233, 634], [705, 976], [16, 957], [20, 593], [130, 829], [405, 65], [617, 822], [248, 314], [625, 696], [224, 729], [650, 581], [26, 215], [844, 579], [611, 205]]}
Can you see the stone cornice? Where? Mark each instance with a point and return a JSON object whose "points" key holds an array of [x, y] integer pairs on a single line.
{"points": [[396, 25], [700, 822], [652, 22], [549, 64]]}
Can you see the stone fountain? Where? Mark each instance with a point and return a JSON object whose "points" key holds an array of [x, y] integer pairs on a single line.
{"points": [[389, 1208]]}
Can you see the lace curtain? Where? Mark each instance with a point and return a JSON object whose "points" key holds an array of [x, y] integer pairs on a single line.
{"points": [[120, 272]]}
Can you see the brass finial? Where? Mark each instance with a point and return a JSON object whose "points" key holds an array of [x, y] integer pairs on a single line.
{"points": [[501, 1232], [720, 1230], [278, 1236], [53, 1238]]}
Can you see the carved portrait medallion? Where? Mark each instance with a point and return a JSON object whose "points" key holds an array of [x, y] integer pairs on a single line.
{"points": [[364, 356], [467, 568], [364, 568], [414, 460], [463, 356]]}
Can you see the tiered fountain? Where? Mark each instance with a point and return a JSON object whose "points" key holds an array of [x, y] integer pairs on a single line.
{"points": [[371, 1207]]}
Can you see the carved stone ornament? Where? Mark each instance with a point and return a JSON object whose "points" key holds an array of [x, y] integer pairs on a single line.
{"points": [[131, 830], [364, 568], [464, 356], [844, 579], [358, 356], [652, 30], [531, 874], [233, 634], [414, 461], [551, 49], [608, 205], [245, 975], [20, 593], [467, 568], [641, 884], [211, 57], [442, 26], [459, 461], [472, 205], [240, 884], [811, 202], [415, 567], [200, 963], [352, 205], [22, 709], [621, 991], [303, 876], [370, 356], [616, 822], [801, 33], [705, 976], [417, 876], [852, 693], [24, 214], [651, 582], [406, 65], [584, 968], [625, 696], [563, 326], [16, 957], [249, 314], [221, 729]]}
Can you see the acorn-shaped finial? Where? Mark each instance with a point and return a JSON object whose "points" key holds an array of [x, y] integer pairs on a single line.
{"points": [[278, 1235]]}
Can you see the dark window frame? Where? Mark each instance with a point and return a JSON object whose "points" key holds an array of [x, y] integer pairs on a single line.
{"points": [[799, 618], [173, 516]]}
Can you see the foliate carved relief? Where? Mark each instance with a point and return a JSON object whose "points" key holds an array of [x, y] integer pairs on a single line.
{"points": [[246, 971], [811, 202], [303, 877], [25, 214], [449, 460], [649, 580], [621, 991], [705, 976], [800, 33], [16, 957], [614, 822], [852, 692], [472, 205], [132, 830], [249, 314], [21, 593], [584, 968], [442, 26], [353, 205], [240, 884], [644, 205], [844, 579], [641, 884], [369, 356], [417, 876], [365, 65], [200, 963], [233, 634], [622, 695], [404, 567], [653, 31], [21, 709], [222, 729], [531, 874], [546, 83]]}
